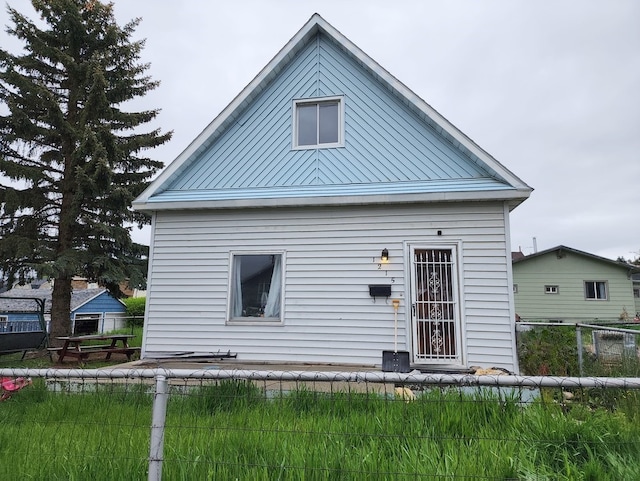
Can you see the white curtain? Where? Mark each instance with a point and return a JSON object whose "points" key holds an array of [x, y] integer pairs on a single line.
{"points": [[601, 287], [272, 309], [236, 308]]}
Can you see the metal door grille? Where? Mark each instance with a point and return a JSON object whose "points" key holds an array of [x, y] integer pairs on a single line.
{"points": [[435, 305]]}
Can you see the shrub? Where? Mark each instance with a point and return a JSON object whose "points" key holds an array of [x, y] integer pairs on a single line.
{"points": [[135, 311], [543, 351]]}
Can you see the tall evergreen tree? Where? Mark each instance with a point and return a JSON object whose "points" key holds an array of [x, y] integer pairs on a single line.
{"points": [[71, 155]]}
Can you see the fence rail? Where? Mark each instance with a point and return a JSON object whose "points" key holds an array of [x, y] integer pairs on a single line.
{"points": [[293, 425], [370, 377]]}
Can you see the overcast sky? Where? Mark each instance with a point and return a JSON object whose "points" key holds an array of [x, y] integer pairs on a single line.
{"points": [[550, 88]]}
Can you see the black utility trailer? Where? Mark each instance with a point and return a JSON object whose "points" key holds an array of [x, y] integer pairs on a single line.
{"points": [[22, 324]]}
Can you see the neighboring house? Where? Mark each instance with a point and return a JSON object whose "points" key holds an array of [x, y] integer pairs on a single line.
{"points": [[92, 310], [323, 191], [570, 285]]}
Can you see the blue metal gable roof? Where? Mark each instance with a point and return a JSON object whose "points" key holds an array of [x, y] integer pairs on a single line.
{"points": [[391, 146]]}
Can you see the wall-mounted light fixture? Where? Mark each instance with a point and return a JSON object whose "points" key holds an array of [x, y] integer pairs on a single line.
{"points": [[384, 256]]}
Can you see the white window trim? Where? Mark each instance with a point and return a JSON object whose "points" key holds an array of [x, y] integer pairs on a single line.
{"points": [[252, 321], [315, 100], [551, 289], [85, 315]]}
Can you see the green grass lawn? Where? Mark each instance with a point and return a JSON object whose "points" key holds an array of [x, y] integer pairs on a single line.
{"points": [[235, 431]]}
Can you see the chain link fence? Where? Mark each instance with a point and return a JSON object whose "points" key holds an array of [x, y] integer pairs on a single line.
{"points": [[221, 424], [579, 348]]}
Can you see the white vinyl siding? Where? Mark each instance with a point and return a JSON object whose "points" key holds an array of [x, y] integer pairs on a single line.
{"points": [[332, 255]]}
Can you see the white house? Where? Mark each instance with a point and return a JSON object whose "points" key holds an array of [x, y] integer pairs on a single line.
{"points": [[269, 230]]}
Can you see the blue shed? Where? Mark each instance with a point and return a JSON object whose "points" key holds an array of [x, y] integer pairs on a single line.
{"points": [[92, 310]]}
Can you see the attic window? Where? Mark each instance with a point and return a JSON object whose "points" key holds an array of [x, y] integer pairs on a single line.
{"points": [[318, 123]]}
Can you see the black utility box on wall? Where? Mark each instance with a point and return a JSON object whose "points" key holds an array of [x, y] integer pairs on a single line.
{"points": [[379, 290]]}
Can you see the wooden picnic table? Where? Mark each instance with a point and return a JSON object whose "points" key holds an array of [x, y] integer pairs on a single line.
{"points": [[80, 347]]}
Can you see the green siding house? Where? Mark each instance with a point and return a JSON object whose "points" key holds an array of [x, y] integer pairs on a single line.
{"points": [[636, 293], [570, 285]]}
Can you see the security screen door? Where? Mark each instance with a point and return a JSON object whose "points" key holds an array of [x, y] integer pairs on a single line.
{"points": [[434, 313]]}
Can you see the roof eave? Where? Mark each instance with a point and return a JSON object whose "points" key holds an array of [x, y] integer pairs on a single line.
{"points": [[512, 197], [630, 267]]}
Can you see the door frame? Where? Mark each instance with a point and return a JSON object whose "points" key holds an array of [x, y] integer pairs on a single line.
{"points": [[457, 272]]}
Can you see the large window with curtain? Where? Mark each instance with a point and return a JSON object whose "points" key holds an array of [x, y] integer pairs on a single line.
{"points": [[595, 290], [256, 287]]}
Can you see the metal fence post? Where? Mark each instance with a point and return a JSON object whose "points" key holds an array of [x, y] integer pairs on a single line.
{"points": [[579, 342], [157, 428]]}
